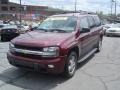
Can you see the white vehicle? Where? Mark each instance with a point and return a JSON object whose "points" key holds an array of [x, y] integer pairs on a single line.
{"points": [[112, 25], [1, 22], [23, 28], [113, 32]]}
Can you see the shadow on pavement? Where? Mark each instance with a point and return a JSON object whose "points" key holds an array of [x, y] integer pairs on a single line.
{"points": [[34, 80], [80, 65], [115, 36]]}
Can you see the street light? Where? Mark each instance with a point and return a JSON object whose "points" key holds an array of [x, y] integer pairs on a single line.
{"points": [[75, 5]]}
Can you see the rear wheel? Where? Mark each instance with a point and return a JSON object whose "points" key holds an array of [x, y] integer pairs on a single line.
{"points": [[71, 65], [107, 35], [99, 46], [3, 38]]}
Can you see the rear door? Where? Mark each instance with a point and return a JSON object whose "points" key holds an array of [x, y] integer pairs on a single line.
{"points": [[95, 29]]}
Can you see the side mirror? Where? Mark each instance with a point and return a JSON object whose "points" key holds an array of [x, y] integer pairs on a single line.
{"points": [[85, 30]]}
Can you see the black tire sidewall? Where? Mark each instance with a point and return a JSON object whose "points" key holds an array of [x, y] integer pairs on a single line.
{"points": [[98, 47], [3, 38], [66, 71]]}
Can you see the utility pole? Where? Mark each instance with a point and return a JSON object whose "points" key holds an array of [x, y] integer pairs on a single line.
{"points": [[75, 5], [115, 8], [20, 13], [111, 7]]}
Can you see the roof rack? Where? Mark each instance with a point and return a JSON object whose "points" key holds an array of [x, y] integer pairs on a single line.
{"points": [[84, 12], [80, 11]]}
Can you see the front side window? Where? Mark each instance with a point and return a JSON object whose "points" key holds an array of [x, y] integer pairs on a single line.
{"points": [[91, 21], [67, 24], [84, 23]]}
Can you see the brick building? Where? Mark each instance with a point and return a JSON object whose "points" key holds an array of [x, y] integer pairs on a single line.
{"points": [[10, 10]]}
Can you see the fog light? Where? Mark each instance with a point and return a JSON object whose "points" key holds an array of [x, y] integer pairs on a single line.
{"points": [[50, 66]]}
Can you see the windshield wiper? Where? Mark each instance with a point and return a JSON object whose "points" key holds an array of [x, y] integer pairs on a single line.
{"points": [[60, 30], [42, 29]]}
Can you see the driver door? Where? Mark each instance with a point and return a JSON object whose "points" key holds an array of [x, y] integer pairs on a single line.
{"points": [[85, 36]]}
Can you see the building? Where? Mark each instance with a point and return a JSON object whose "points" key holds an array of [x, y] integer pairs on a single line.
{"points": [[7, 9], [10, 10]]}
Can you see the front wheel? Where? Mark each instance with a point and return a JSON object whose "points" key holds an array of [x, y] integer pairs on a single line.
{"points": [[71, 65]]}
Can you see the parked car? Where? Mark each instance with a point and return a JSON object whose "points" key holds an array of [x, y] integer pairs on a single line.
{"points": [[112, 25], [2, 26], [9, 32], [1, 22], [22, 29], [107, 26], [113, 32], [58, 44]]}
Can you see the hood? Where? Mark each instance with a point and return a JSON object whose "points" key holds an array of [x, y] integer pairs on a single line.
{"points": [[114, 29], [36, 38]]}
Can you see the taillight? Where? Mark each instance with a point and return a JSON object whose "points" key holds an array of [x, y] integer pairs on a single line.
{"points": [[17, 31], [2, 31]]}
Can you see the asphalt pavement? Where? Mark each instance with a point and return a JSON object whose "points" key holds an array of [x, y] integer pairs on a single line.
{"points": [[100, 72]]}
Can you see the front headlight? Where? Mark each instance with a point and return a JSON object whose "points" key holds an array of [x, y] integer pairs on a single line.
{"points": [[46, 52], [51, 51], [11, 45]]}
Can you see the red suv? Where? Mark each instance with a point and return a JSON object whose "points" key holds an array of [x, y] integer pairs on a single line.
{"points": [[58, 44]]}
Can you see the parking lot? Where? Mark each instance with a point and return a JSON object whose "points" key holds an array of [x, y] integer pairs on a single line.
{"points": [[100, 72]]}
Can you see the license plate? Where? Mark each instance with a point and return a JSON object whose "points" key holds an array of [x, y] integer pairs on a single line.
{"points": [[112, 30]]}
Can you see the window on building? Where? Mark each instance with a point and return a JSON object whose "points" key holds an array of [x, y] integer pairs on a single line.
{"points": [[4, 8], [12, 8], [4, 1], [21, 8]]}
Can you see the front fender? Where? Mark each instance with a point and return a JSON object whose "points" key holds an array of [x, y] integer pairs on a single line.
{"points": [[67, 47]]}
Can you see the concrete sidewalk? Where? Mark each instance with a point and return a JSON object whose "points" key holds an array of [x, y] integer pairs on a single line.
{"points": [[100, 72]]}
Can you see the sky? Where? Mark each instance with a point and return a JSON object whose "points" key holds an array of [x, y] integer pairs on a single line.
{"points": [[87, 5]]}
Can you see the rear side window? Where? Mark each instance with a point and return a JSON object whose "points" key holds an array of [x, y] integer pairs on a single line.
{"points": [[84, 23], [97, 20], [1, 26], [91, 21]]}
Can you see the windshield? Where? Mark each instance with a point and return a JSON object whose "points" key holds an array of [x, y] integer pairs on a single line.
{"points": [[10, 26], [67, 24]]}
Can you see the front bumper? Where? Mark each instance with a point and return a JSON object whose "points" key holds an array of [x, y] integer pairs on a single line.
{"points": [[38, 65], [113, 33], [10, 35]]}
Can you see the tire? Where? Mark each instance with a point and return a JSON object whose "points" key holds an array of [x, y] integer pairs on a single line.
{"points": [[107, 35], [3, 38], [71, 64], [99, 46]]}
